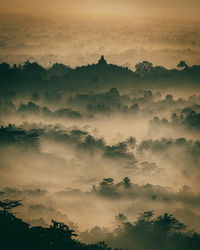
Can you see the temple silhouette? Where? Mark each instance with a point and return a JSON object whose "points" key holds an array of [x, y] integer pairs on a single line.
{"points": [[102, 61]]}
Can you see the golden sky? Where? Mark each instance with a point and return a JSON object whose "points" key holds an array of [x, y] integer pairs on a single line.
{"points": [[77, 32]]}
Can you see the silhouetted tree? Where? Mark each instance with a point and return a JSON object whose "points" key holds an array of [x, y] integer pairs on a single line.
{"points": [[144, 67], [16, 234], [182, 65], [7, 205]]}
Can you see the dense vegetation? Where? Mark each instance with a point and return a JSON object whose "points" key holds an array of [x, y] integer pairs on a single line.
{"points": [[98, 76], [17, 234], [162, 232]]}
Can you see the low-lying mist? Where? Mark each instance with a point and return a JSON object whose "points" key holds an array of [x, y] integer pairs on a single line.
{"points": [[85, 157]]}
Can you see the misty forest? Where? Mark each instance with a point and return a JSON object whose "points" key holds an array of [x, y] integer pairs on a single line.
{"points": [[99, 125], [100, 156]]}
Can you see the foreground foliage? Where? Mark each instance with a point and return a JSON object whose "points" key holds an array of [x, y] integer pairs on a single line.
{"points": [[162, 232]]}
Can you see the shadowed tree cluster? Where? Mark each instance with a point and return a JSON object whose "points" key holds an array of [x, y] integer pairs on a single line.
{"points": [[163, 232], [17, 234], [11, 135], [147, 232], [31, 76]]}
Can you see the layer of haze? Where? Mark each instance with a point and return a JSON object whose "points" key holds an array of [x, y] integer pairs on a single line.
{"points": [[76, 32], [58, 157], [83, 154]]}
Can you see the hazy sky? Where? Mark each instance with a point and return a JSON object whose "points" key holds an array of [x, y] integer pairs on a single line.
{"points": [[79, 31]]}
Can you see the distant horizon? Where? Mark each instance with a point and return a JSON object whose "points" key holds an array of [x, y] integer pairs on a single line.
{"points": [[126, 31], [131, 67]]}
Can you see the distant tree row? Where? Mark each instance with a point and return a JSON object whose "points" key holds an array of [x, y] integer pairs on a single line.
{"points": [[60, 69], [31, 76]]}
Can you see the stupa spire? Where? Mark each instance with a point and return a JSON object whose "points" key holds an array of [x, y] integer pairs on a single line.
{"points": [[102, 60]]}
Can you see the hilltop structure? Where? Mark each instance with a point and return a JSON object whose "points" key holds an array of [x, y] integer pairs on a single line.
{"points": [[102, 61]]}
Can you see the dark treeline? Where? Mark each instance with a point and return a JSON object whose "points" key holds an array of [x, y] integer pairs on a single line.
{"points": [[29, 136], [110, 103], [147, 232], [31, 75], [17, 234], [80, 140], [12, 136], [186, 117]]}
